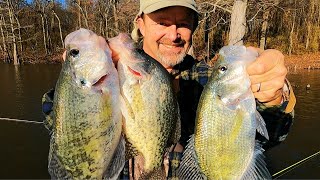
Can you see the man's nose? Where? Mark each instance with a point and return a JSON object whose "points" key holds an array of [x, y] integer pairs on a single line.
{"points": [[172, 33]]}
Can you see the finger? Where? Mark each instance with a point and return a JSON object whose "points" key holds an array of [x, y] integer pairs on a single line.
{"points": [[64, 55], [267, 60], [267, 96], [276, 83], [277, 72], [255, 49]]}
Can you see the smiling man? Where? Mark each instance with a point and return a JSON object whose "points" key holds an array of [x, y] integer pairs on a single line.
{"points": [[165, 29]]}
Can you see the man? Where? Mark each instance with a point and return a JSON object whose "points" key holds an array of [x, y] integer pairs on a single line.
{"points": [[165, 28]]}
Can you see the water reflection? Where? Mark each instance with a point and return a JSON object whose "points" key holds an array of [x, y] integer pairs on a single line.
{"points": [[25, 145], [303, 137], [22, 88]]}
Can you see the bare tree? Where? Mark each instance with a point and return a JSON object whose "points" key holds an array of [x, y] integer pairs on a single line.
{"points": [[238, 22], [13, 36], [292, 29]]}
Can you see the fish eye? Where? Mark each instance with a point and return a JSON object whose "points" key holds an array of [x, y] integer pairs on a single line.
{"points": [[222, 68], [74, 52]]}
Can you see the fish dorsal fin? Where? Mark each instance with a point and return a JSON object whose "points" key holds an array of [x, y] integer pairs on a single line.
{"points": [[189, 167], [117, 162], [261, 125], [257, 168]]}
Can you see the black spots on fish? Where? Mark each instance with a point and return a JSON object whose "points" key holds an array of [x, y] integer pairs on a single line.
{"points": [[110, 130], [74, 53]]}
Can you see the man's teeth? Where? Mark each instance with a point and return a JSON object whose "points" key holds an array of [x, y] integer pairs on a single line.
{"points": [[169, 46]]}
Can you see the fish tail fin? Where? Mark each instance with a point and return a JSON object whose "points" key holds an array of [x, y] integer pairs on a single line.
{"points": [[117, 162], [258, 167], [189, 167]]}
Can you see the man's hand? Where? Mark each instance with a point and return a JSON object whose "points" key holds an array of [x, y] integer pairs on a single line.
{"points": [[267, 74]]}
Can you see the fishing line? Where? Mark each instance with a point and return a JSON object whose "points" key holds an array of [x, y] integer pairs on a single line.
{"points": [[20, 120], [293, 166]]}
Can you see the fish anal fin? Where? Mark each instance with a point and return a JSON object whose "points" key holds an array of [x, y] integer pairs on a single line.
{"points": [[131, 151], [117, 162], [55, 166], [189, 167], [257, 169], [261, 126]]}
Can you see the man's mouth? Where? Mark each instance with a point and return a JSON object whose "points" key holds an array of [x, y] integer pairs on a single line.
{"points": [[176, 48], [169, 46]]}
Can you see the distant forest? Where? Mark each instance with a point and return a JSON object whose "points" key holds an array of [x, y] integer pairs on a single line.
{"points": [[34, 32]]}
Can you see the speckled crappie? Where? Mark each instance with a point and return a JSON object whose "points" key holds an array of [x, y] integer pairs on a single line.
{"points": [[86, 141], [149, 105], [223, 145]]}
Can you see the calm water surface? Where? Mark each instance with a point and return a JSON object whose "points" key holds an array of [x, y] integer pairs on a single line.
{"points": [[24, 146]]}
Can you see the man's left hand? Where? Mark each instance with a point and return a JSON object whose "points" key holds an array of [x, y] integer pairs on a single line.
{"points": [[267, 74]]}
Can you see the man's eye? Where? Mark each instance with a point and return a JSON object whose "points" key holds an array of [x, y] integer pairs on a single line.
{"points": [[162, 23], [184, 25]]}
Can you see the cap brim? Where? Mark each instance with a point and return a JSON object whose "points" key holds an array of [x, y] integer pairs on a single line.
{"points": [[160, 5]]}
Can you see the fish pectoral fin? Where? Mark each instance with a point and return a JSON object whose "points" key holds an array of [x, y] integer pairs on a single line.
{"points": [[47, 109], [126, 109], [117, 162], [261, 125], [189, 167], [257, 168]]}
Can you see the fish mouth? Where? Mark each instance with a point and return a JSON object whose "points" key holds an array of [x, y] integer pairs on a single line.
{"points": [[100, 81]]}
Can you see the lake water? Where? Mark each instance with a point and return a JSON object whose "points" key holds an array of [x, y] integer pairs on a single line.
{"points": [[24, 145]]}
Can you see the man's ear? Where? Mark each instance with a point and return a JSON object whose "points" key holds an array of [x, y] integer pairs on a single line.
{"points": [[141, 26]]}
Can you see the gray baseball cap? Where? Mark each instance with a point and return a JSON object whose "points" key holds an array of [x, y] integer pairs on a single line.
{"points": [[149, 6]]}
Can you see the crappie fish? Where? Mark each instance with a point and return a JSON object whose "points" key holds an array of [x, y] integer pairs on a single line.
{"points": [[150, 108], [223, 145], [86, 121]]}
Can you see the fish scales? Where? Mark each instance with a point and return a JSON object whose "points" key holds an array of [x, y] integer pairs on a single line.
{"points": [[223, 145], [151, 110], [87, 123]]}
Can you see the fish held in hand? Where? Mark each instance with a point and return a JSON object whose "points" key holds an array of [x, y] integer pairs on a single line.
{"points": [[86, 121], [223, 145], [150, 109]]}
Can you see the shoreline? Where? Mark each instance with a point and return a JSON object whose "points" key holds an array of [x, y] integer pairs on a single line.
{"points": [[304, 61], [309, 61]]}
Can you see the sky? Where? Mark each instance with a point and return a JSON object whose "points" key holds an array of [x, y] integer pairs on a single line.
{"points": [[61, 1]]}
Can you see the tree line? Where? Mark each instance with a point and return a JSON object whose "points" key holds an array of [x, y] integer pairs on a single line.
{"points": [[33, 32]]}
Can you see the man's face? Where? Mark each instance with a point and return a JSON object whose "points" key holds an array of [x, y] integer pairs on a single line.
{"points": [[167, 34]]}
